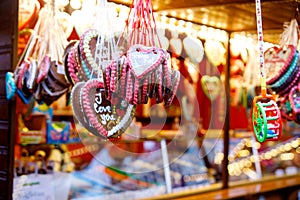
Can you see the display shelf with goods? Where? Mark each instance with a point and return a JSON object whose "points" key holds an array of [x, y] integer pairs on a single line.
{"points": [[177, 150]]}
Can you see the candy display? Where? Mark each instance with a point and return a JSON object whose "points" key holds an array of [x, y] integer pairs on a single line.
{"points": [[149, 99]]}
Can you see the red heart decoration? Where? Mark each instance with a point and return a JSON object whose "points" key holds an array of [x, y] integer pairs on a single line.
{"points": [[277, 60], [110, 120]]}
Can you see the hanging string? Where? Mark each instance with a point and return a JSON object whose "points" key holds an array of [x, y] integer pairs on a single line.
{"points": [[140, 25], [105, 47], [261, 47]]}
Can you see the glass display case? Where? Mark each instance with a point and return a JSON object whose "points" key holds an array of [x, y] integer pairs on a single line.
{"points": [[180, 149]]}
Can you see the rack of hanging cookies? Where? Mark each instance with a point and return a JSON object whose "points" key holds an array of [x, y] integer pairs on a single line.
{"points": [[280, 75], [39, 74], [108, 74], [285, 80], [112, 74]]}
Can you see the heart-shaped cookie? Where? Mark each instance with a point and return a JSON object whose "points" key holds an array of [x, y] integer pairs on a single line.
{"points": [[194, 49], [11, 86], [144, 60], [292, 81], [67, 51], [285, 108], [215, 52], [176, 45], [77, 108], [21, 72], [109, 118], [24, 93], [57, 71], [87, 44], [287, 77], [277, 60], [294, 97], [163, 41], [72, 67], [171, 92], [211, 86], [33, 71], [44, 67]]}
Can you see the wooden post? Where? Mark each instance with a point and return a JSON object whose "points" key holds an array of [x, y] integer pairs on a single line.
{"points": [[227, 120], [8, 57]]}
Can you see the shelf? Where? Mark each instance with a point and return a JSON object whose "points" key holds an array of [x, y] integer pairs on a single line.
{"points": [[270, 187]]}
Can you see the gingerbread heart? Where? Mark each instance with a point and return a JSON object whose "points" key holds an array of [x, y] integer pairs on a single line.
{"points": [[67, 50], [22, 70], [24, 93], [211, 86], [277, 60], [294, 97], [163, 40], [215, 52], [144, 60], [44, 67], [194, 49], [285, 108], [33, 71], [176, 45], [11, 86], [87, 44], [72, 66], [77, 108], [170, 93], [109, 118]]}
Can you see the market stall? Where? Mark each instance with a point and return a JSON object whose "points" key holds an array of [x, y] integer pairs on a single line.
{"points": [[148, 99]]}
